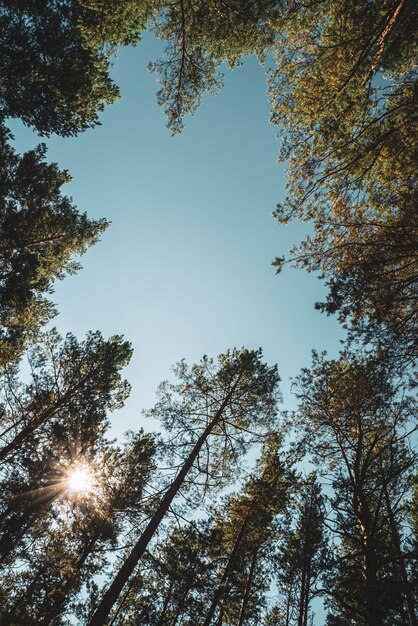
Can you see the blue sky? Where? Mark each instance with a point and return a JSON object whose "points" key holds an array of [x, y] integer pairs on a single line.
{"points": [[185, 267]]}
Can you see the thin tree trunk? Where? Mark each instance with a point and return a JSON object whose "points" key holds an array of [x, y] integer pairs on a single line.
{"points": [[247, 591], [400, 565], [390, 24], [302, 597], [364, 517], [374, 615], [112, 594], [307, 592], [221, 587], [289, 603]]}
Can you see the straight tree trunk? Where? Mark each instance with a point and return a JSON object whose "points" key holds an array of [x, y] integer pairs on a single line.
{"points": [[374, 615], [305, 583], [400, 565], [289, 603], [110, 597], [221, 587], [247, 591], [307, 592], [364, 517]]}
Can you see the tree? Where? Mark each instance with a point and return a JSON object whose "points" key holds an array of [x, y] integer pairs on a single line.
{"points": [[349, 137], [301, 557], [172, 585], [343, 91], [246, 529], [357, 425], [55, 59], [73, 533], [201, 35], [41, 232], [57, 535], [77, 382], [49, 424], [218, 566], [228, 405]]}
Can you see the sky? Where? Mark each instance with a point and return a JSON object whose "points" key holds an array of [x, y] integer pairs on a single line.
{"points": [[185, 267]]}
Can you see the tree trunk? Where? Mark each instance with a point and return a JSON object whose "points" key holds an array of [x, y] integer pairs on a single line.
{"points": [[289, 603], [221, 587], [307, 592], [364, 518], [112, 594], [400, 565], [302, 595], [247, 590], [373, 612]]}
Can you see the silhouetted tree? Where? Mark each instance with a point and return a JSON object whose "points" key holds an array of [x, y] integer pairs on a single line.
{"points": [[246, 530]]}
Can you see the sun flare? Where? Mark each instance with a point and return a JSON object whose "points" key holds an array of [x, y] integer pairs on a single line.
{"points": [[80, 480]]}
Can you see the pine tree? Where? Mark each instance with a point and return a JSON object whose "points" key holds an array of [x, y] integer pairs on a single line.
{"points": [[71, 380], [55, 59], [246, 530], [40, 234], [58, 536], [213, 415], [356, 424], [301, 556]]}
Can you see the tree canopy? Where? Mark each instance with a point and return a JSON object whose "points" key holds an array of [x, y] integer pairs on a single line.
{"points": [[171, 528], [41, 233]]}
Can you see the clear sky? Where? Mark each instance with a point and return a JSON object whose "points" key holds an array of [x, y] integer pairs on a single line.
{"points": [[185, 267]]}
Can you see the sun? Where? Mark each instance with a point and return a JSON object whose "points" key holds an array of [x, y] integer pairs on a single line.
{"points": [[80, 480]]}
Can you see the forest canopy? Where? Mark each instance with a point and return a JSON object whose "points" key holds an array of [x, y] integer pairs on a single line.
{"points": [[171, 528]]}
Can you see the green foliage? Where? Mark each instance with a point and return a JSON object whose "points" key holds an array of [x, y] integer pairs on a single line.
{"points": [[216, 566], [55, 59], [356, 425], [201, 35], [49, 78], [239, 390], [213, 415], [343, 89], [57, 422], [301, 555], [349, 137], [71, 538], [73, 386], [40, 233], [242, 554]]}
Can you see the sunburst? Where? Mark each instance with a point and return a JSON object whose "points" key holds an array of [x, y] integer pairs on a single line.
{"points": [[73, 481], [80, 479]]}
